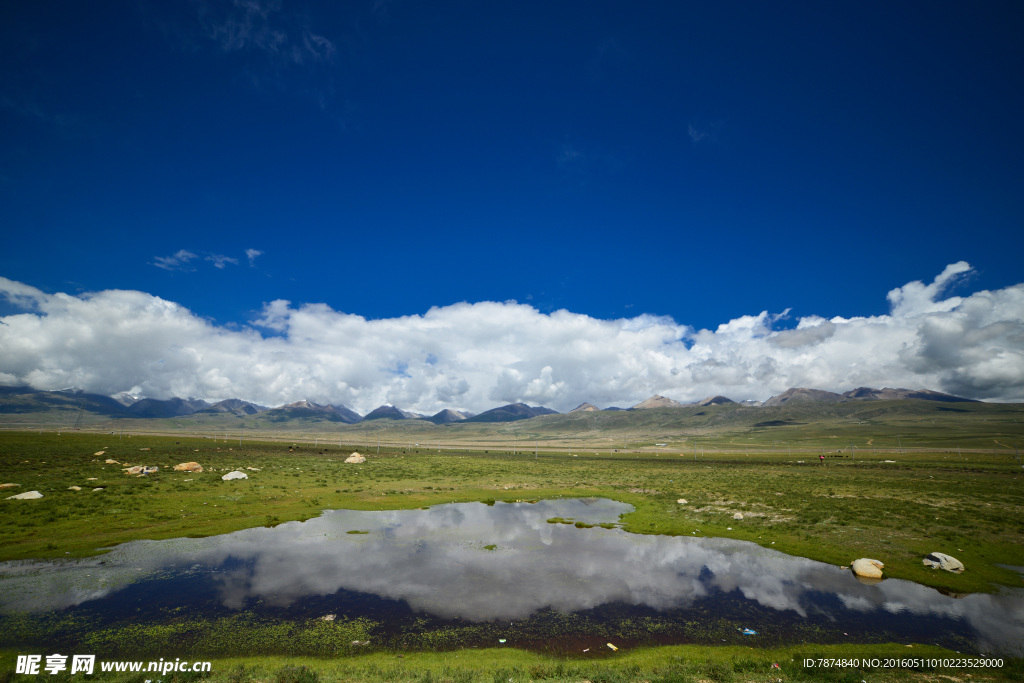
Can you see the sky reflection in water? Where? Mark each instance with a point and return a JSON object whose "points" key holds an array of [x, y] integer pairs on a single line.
{"points": [[436, 561]]}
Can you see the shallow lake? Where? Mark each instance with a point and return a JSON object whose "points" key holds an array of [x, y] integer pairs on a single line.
{"points": [[497, 573]]}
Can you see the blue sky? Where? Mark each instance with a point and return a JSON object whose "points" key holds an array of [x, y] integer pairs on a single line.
{"points": [[696, 161]]}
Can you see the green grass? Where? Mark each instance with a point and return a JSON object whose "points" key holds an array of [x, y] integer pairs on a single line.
{"points": [[670, 664]]}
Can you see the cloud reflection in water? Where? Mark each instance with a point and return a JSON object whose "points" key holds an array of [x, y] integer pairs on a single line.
{"points": [[435, 560]]}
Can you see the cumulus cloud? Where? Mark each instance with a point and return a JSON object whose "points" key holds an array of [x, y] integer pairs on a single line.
{"points": [[475, 356], [251, 254]]}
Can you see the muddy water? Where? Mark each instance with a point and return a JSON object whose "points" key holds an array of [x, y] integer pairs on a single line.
{"points": [[506, 563]]}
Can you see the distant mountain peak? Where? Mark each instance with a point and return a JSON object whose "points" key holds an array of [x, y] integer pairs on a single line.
{"points": [[585, 408], [446, 416], [887, 393], [802, 395], [511, 413], [657, 401], [390, 412], [715, 401]]}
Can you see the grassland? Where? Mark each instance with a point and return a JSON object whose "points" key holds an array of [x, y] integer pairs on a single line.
{"points": [[670, 664], [967, 502], [970, 505]]}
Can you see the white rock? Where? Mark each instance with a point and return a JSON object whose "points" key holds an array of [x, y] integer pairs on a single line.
{"points": [[28, 495], [235, 475], [74, 488], [738, 515], [867, 568], [681, 501], [355, 458], [944, 561]]}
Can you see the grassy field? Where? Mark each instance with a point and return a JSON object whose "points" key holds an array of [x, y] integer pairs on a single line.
{"points": [[670, 664], [969, 504]]}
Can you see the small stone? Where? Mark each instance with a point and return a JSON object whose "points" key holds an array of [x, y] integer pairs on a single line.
{"points": [[737, 515], [74, 488], [99, 452], [235, 475], [681, 501], [110, 461]]}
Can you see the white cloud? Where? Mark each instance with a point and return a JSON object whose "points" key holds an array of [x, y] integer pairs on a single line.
{"points": [[219, 260], [476, 356], [265, 27], [177, 261], [251, 254]]}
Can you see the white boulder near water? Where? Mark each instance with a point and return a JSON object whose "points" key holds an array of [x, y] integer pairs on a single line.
{"points": [[944, 561], [28, 495], [235, 475], [866, 568]]}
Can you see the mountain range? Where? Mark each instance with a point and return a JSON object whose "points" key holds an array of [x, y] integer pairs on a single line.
{"points": [[25, 400]]}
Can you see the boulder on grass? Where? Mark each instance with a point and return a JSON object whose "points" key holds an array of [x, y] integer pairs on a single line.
{"points": [[235, 475], [944, 561], [28, 495], [865, 568], [355, 458], [188, 467], [737, 515]]}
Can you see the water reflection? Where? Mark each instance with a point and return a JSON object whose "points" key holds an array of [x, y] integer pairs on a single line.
{"points": [[440, 561]]}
